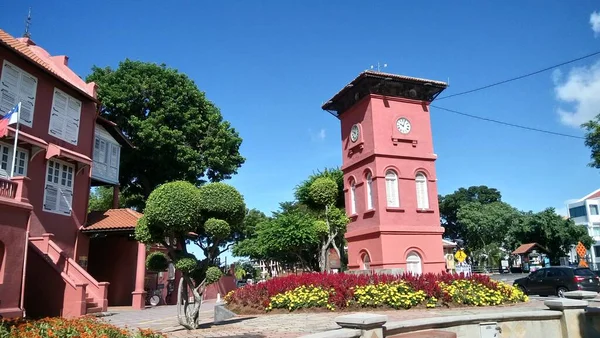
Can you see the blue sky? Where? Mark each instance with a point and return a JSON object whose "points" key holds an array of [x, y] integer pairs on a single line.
{"points": [[269, 65]]}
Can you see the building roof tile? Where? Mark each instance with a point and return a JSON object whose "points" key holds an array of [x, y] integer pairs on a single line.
{"points": [[54, 65], [525, 248], [112, 219]]}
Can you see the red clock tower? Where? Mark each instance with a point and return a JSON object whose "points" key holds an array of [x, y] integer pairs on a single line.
{"points": [[389, 172]]}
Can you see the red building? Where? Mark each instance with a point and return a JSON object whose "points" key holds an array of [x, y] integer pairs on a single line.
{"points": [[55, 260], [389, 172]]}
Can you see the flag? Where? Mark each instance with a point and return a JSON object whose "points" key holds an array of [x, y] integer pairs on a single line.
{"points": [[11, 117]]}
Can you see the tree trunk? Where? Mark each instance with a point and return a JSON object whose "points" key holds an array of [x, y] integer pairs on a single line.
{"points": [[188, 314]]}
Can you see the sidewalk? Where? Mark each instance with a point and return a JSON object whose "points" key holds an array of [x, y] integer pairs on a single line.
{"points": [[278, 325]]}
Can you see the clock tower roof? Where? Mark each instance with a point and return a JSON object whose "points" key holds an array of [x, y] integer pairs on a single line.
{"points": [[379, 83]]}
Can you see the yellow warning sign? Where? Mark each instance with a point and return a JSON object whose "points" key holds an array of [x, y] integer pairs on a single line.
{"points": [[460, 256]]}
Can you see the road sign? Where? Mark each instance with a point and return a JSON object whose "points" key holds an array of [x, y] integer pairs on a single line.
{"points": [[460, 256], [581, 252]]}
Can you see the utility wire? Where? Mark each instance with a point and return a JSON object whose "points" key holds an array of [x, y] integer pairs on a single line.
{"points": [[509, 124], [519, 77]]}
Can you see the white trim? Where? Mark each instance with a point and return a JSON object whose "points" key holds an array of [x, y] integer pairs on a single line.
{"points": [[588, 195]]}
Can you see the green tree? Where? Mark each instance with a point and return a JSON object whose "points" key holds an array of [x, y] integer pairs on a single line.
{"points": [[451, 203], [592, 140], [323, 194], [290, 236], [550, 230], [177, 133], [101, 199], [485, 228], [302, 192], [178, 213]]}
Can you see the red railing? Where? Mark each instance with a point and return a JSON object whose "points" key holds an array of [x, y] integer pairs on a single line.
{"points": [[8, 188], [97, 290]]}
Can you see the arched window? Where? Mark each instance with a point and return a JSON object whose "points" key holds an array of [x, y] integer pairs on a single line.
{"points": [[413, 263], [369, 191], [366, 262], [391, 189], [422, 196], [353, 197]]}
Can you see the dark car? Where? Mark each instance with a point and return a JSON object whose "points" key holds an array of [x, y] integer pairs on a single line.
{"points": [[557, 280]]}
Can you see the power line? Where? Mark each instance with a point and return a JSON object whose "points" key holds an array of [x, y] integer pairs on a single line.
{"points": [[509, 124], [519, 77]]}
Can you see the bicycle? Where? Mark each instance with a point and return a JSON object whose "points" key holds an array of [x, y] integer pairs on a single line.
{"points": [[153, 298]]}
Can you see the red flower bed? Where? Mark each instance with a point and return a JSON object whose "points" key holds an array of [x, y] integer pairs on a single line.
{"points": [[258, 296]]}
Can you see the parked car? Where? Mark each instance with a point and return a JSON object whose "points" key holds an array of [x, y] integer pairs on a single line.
{"points": [[557, 280]]}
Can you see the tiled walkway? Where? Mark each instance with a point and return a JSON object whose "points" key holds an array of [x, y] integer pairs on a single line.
{"points": [[164, 319]]}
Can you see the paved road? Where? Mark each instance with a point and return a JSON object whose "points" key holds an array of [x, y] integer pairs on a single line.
{"points": [[508, 277]]}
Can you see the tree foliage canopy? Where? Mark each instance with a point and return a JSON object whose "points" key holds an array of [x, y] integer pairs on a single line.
{"points": [[551, 231], [491, 228], [451, 203], [592, 140], [300, 232], [178, 134]]}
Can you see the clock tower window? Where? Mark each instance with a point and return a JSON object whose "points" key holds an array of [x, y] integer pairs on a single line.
{"points": [[369, 191], [422, 196], [353, 197], [391, 189]]}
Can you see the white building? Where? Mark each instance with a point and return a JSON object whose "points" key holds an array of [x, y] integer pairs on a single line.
{"points": [[585, 211]]}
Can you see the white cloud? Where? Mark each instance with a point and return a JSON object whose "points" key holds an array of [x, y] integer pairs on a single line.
{"points": [[580, 91], [595, 22], [318, 136]]}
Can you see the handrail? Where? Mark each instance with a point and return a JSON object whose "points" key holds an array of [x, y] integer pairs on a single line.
{"points": [[8, 188], [70, 268]]}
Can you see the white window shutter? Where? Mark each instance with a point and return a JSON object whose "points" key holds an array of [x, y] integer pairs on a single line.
{"points": [[58, 115], [391, 189], [422, 194], [73, 114], [9, 87], [58, 194], [27, 94], [353, 198], [65, 202], [50, 197], [114, 156], [369, 192]]}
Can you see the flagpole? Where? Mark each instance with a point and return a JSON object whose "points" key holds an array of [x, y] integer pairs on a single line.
{"points": [[14, 159]]}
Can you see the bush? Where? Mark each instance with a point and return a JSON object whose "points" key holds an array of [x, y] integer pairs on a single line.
{"points": [[349, 290], [83, 327], [157, 261]]}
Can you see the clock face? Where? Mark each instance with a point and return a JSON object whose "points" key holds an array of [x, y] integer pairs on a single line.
{"points": [[354, 132], [403, 125]]}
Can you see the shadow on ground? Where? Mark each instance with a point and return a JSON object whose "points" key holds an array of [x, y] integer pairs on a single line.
{"points": [[205, 326]]}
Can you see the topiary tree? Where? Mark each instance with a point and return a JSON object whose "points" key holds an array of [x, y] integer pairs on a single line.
{"points": [[179, 213], [323, 193]]}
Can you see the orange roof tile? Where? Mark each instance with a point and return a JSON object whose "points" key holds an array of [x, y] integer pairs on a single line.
{"points": [[112, 219], [54, 65], [525, 248]]}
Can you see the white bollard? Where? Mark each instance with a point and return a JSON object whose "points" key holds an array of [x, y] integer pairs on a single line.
{"points": [[218, 297]]}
